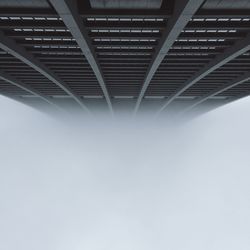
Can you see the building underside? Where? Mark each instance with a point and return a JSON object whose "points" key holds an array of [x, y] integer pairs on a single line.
{"points": [[162, 58]]}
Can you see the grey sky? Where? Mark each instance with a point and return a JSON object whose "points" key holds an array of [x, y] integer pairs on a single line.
{"points": [[114, 186]]}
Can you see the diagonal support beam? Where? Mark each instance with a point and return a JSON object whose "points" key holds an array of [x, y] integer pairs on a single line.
{"points": [[183, 12], [12, 80], [239, 48], [22, 54], [208, 109], [23, 101], [67, 10], [217, 91]]}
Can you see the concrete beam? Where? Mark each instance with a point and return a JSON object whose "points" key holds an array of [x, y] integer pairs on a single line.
{"points": [[68, 11], [205, 110], [183, 12], [50, 112], [12, 80], [217, 91]]}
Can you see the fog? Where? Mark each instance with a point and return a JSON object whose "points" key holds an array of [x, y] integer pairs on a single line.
{"points": [[124, 185]]}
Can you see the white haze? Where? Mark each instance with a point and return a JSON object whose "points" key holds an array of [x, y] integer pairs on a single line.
{"points": [[123, 186]]}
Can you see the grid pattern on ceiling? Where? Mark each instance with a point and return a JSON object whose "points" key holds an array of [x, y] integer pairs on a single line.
{"points": [[124, 47], [22, 72], [198, 44], [125, 44], [50, 41]]}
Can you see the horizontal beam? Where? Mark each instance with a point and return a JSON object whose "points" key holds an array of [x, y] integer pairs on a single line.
{"points": [[165, 13], [125, 35], [19, 52], [215, 35], [217, 25], [239, 48], [145, 25], [38, 34], [128, 44], [31, 24]]}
